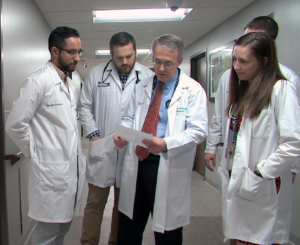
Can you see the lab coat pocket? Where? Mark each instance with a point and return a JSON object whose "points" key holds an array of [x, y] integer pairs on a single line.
{"points": [[177, 181], [54, 175], [260, 127], [96, 149], [254, 187]]}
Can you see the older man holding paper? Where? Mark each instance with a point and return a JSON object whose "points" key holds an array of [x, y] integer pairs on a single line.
{"points": [[156, 178]]}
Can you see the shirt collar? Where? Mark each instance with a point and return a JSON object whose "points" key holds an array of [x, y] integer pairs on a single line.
{"points": [[169, 84], [123, 77], [62, 75]]}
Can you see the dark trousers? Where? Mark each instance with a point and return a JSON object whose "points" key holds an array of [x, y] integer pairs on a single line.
{"points": [[131, 231]]}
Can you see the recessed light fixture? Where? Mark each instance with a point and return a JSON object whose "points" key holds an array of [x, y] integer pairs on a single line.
{"points": [[222, 50], [140, 15], [107, 51]]}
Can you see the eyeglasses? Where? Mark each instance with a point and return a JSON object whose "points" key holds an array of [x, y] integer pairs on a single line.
{"points": [[167, 64], [72, 52]]}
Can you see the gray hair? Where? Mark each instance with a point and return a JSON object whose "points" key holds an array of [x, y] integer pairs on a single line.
{"points": [[169, 42]]}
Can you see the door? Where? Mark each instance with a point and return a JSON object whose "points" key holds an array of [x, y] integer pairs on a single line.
{"points": [[3, 208], [198, 71]]}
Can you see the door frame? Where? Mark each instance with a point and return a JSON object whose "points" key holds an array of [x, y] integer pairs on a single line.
{"points": [[193, 73], [3, 204], [193, 62]]}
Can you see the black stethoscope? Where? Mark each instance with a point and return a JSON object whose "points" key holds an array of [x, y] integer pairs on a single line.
{"points": [[104, 84], [155, 82]]}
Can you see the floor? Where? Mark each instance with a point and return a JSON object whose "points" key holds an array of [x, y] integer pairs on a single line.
{"points": [[205, 226]]}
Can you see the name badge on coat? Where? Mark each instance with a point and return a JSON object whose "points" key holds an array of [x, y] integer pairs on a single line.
{"points": [[181, 112], [103, 84]]}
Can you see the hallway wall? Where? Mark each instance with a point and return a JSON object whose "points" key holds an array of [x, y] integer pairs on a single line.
{"points": [[25, 50], [286, 13], [25, 37]]}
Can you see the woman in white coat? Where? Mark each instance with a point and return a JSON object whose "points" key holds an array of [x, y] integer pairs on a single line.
{"points": [[262, 141]]}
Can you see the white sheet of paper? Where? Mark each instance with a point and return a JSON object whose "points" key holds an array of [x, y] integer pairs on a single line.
{"points": [[132, 135]]}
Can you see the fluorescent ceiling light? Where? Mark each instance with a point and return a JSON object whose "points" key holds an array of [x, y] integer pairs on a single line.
{"points": [[227, 50], [107, 51], [222, 50], [140, 15]]}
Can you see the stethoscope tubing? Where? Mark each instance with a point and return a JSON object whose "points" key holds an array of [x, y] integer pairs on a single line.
{"points": [[107, 84]]}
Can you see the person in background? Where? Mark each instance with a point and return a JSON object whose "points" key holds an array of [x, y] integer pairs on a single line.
{"points": [[43, 124], [156, 177], [104, 100], [217, 127], [261, 144]]}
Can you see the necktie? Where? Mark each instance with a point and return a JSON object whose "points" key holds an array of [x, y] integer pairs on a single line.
{"points": [[151, 122]]}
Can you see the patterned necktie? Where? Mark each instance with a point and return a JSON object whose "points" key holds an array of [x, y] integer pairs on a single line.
{"points": [[151, 122]]}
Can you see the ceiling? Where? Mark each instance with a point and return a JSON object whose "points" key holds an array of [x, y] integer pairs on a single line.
{"points": [[205, 16]]}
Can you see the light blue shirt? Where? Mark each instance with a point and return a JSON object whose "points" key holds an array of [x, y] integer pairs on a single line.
{"points": [[167, 93]]}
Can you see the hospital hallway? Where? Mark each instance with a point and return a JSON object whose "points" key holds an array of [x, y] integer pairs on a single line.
{"points": [[205, 226]]}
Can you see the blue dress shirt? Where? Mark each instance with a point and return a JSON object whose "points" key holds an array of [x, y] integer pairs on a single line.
{"points": [[167, 93]]}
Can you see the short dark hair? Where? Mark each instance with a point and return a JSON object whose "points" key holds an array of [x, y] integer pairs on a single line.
{"points": [[122, 38], [59, 35], [265, 23]]}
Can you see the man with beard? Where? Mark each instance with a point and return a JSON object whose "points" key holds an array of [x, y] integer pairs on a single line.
{"points": [[103, 102], [43, 124]]}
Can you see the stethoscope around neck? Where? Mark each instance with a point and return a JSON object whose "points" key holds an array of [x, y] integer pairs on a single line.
{"points": [[104, 84], [155, 81]]}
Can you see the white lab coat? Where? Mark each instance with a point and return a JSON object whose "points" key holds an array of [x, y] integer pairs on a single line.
{"points": [[217, 126], [252, 209], [187, 127], [102, 107], [43, 124]]}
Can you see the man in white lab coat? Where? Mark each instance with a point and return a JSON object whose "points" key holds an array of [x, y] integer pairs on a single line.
{"points": [[217, 126], [104, 100], [43, 124], [158, 180]]}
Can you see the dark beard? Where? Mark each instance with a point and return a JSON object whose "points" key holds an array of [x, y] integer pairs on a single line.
{"points": [[64, 67]]}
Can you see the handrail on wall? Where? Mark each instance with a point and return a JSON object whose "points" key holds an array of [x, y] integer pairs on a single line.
{"points": [[13, 158]]}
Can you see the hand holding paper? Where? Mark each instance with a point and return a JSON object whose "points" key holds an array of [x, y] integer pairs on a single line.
{"points": [[133, 136], [119, 141], [156, 146]]}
